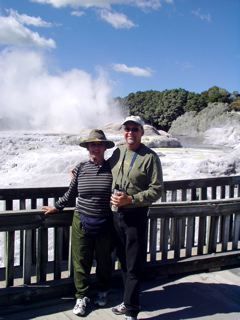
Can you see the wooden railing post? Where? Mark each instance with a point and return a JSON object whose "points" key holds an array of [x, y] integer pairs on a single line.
{"points": [[27, 256], [9, 257]]}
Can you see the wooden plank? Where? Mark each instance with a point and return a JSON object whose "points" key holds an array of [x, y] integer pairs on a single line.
{"points": [[231, 191], [184, 220], [58, 242], [190, 236], [199, 183], [20, 221], [203, 194], [70, 264], [214, 192], [9, 257], [236, 233], [153, 239], [34, 203], [194, 194], [223, 192], [203, 209], [225, 237], [164, 196], [32, 219], [164, 237], [42, 254], [172, 230], [214, 228], [65, 241], [45, 201], [183, 231], [196, 264], [201, 234], [29, 193], [27, 256], [177, 238], [9, 204], [184, 195], [22, 206], [36, 293]]}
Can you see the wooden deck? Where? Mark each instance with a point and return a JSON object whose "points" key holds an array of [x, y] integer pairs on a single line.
{"points": [[205, 296]]}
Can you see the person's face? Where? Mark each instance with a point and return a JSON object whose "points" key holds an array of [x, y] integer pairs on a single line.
{"points": [[133, 134], [96, 149]]}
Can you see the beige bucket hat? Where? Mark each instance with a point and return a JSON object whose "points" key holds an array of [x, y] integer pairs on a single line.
{"points": [[97, 135]]}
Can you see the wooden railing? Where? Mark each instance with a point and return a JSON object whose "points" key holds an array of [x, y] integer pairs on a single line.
{"points": [[192, 236], [196, 228]]}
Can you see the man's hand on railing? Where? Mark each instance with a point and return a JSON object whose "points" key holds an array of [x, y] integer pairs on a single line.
{"points": [[49, 210]]}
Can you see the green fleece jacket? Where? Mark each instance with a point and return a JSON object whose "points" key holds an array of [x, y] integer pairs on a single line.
{"points": [[138, 173]]}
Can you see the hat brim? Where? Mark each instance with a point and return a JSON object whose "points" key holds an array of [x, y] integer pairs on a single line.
{"points": [[109, 144]]}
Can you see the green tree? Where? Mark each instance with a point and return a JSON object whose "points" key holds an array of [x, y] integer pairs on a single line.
{"points": [[216, 94], [161, 108]]}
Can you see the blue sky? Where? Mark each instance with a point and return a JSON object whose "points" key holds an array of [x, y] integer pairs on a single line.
{"points": [[123, 46]]}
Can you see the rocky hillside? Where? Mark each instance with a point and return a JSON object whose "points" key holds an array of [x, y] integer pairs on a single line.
{"points": [[214, 124]]}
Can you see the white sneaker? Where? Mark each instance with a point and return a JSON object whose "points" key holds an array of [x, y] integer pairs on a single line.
{"points": [[130, 318], [101, 298], [80, 306], [120, 309]]}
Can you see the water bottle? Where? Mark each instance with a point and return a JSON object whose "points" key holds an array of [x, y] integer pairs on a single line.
{"points": [[115, 191]]}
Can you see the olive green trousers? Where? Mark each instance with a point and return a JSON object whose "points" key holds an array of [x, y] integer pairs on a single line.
{"points": [[84, 249]]}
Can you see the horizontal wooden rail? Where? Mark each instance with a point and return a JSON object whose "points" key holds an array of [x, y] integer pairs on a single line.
{"points": [[189, 208], [32, 219], [201, 189]]}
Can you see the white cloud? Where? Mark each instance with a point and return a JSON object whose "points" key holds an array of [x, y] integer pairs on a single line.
{"points": [[117, 20], [13, 32], [144, 4], [135, 71], [78, 13], [204, 17], [34, 97], [28, 20]]}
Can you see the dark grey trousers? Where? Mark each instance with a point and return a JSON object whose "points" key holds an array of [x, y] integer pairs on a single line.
{"points": [[130, 238]]}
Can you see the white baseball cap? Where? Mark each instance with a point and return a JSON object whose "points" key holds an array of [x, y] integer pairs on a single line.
{"points": [[135, 119]]}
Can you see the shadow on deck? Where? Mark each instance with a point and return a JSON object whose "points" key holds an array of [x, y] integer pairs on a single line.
{"points": [[213, 295]]}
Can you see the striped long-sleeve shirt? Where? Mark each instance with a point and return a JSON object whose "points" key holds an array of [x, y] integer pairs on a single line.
{"points": [[91, 185]]}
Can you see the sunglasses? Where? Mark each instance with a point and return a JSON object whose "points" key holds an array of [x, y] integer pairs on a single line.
{"points": [[134, 129]]}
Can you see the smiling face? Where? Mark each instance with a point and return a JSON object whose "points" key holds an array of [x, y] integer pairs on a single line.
{"points": [[96, 151], [133, 134]]}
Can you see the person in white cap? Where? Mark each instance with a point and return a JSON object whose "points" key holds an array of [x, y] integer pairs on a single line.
{"points": [[137, 177]]}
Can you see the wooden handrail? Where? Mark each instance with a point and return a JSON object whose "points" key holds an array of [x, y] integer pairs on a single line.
{"points": [[32, 219]]}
